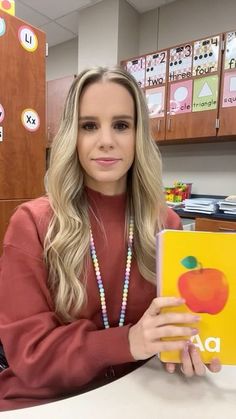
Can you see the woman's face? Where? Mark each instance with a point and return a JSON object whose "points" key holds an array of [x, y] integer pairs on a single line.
{"points": [[106, 136]]}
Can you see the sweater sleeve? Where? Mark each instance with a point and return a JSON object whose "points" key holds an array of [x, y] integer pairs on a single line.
{"points": [[40, 350], [173, 221]]}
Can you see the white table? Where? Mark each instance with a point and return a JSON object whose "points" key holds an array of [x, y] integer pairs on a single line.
{"points": [[147, 393]]}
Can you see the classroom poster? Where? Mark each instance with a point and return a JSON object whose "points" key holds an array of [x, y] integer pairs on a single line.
{"points": [[137, 69], [230, 51], [180, 62], [205, 93], [206, 56], [180, 97], [2, 113], [2, 26], [156, 68], [8, 6], [229, 90], [156, 101]]}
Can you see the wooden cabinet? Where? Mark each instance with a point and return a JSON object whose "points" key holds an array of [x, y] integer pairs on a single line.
{"points": [[57, 91], [227, 107], [22, 114], [207, 224], [198, 96]]}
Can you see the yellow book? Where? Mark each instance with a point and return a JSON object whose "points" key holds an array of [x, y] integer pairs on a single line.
{"points": [[8, 6], [200, 267]]}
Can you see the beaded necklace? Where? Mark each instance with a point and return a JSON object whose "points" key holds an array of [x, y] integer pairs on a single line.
{"points": [[126, 280]]}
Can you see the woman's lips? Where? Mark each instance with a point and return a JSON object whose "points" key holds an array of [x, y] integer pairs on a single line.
{"points": [[106, 161]]}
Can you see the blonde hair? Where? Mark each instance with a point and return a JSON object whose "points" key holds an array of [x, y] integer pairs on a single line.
{"points": [[66, 246]]}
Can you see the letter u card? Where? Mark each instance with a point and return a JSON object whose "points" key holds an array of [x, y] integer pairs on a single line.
{"points": [[200, 267]]}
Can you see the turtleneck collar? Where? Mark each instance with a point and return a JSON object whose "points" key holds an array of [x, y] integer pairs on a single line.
{"points": [[107, 207]]}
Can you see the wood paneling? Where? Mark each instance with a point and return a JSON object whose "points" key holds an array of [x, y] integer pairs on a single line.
{"points": [[22, 86]]}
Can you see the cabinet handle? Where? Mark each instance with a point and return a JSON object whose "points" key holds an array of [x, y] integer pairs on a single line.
{"points": [[169, 124], [230, 230], [158, 125]]}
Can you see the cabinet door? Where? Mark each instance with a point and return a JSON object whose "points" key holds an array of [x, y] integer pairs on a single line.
{"points": [[22, 100], [158, 128], [193, 89], [227, 109], [206, 224], [6, 210], [57, 91]]}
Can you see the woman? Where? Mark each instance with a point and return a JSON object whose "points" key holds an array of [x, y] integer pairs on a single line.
{"points": [[78, 268]]}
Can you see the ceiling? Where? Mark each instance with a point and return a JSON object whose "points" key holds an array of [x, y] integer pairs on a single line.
{"points": [[59, 19]]}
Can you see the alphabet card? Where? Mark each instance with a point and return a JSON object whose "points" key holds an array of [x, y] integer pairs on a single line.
{"points": [[206, 56], [200, 267], [180, 62], [180, 97], [2, 26], [230, 51], [229, 90], [8, 6], [137, 69], [156, 68]]}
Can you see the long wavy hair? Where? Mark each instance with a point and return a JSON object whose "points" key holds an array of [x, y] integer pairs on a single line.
{"points": [[66, 247]]}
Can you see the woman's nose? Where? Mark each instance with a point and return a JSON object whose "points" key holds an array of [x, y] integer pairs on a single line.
{"points": [[106, 139]]}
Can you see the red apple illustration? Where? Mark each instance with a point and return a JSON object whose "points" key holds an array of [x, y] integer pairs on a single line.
{"points": [[205, 290]]}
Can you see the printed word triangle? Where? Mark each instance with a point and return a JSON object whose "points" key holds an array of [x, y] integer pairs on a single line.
{"points": [[205, 91]]}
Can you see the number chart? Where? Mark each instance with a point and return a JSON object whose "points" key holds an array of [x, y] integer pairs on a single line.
{"points": [[137, 67], [206, 56], [156, 69], [230, 51], [180, 63]]}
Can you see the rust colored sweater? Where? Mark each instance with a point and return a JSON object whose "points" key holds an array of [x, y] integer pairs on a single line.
{"points": [[47, 359]]}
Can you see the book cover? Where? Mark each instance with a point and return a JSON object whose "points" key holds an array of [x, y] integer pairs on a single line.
{"points": [[200, 267]]}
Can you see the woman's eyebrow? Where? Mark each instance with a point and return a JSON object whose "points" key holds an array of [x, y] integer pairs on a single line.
{"points": [[83, 118], [123, 117]]}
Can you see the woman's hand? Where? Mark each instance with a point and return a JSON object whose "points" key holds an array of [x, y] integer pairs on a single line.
{"points": [[192, 363], [145, 336]]}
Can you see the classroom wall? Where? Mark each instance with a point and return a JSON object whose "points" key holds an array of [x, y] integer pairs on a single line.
{"points": [[148, 33], [98, 34], [128, 31], [211, 167], [184, 20], [62, 60]]}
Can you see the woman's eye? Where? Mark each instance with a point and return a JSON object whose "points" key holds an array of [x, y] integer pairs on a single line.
{"points": [[121, 126], [89, 126]]}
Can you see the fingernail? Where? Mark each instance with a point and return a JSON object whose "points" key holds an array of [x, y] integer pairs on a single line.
{"points": [[171, 368], [194, 331], [186, 346], [181, 300], [192, 347], [196, 318], [215, 365]]}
